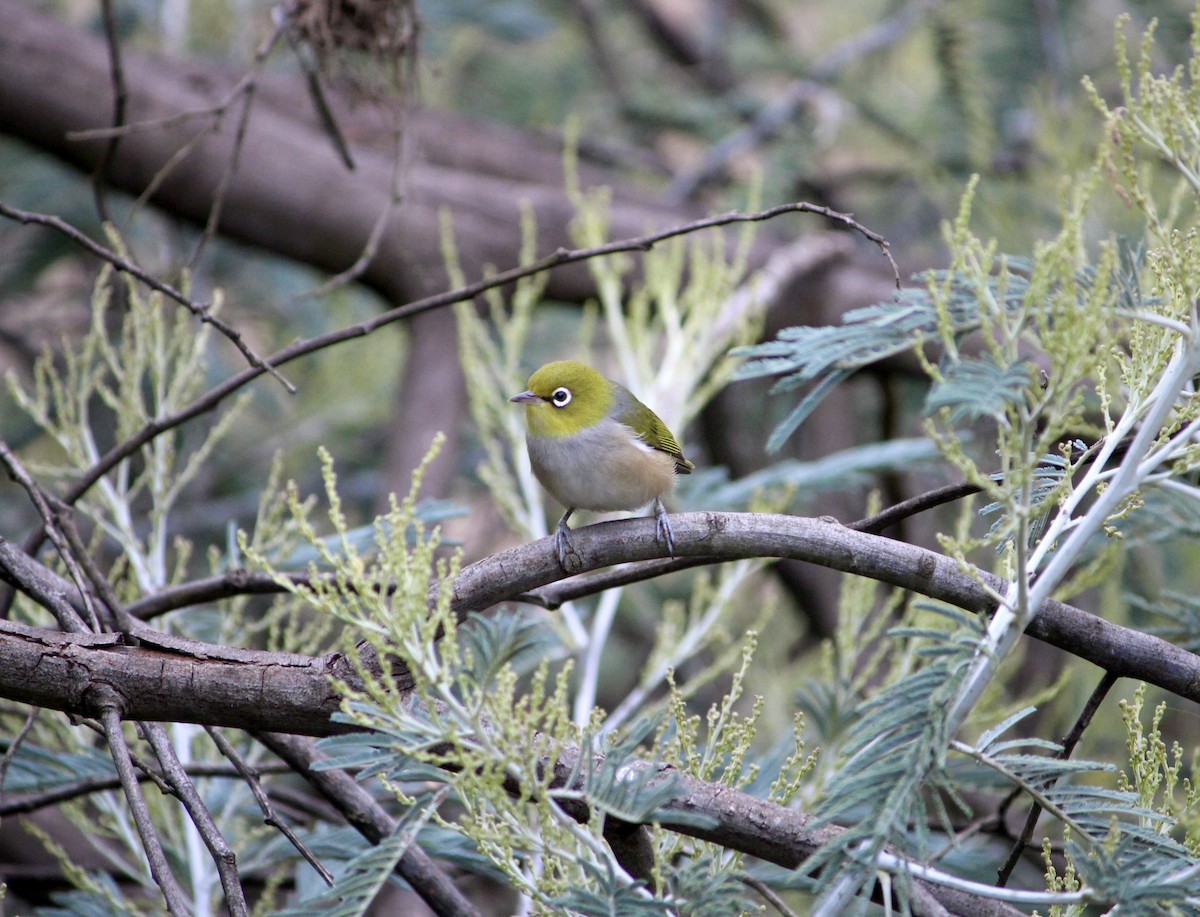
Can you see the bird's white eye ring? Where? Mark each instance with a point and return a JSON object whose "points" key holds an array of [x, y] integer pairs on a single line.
{"points": [[561, 397]]}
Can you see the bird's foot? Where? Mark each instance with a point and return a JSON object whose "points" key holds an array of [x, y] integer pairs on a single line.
{"points": [[662, 527], [568, 558]]}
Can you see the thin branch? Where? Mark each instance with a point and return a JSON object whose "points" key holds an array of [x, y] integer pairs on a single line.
{"points": [[251, 777], [775, 114], [769, 896], [23, 803], [1068, 745], [367, 817], [14, 746], [183, 788], [249, 85], [914, 505], [120, 101], [24, 574], [107, 700], [202, 311], [561, 257], [17, 472], [316, 92], [371, 249], [118, 618]]}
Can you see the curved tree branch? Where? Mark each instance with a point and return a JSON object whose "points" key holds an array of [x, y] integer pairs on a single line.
{"points": [[173, 679], [169, 678]]}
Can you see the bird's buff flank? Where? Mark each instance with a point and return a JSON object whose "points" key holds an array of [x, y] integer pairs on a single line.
{"points": [[594, 446]]}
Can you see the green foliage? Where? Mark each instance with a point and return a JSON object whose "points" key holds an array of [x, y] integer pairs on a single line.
{"points": [[1114, 336], [363, 876], [488, 721], [511, 748], [130, 372]]}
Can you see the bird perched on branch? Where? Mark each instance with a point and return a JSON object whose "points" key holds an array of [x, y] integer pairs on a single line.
{"points": [[594, 446]]}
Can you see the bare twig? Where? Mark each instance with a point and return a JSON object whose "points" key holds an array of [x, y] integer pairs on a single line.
{"points": [[1068, 745], [316, 92], [367, 817], [914, 505], [17, 472], [781, 110], [251, 776], [108, 702], [561, 257], [183, 788], [396, 195], [769, 896], [202, 311], [249, 84], [120, 101], [24, 574], [22, 803], [15, 745], [117, 617]]}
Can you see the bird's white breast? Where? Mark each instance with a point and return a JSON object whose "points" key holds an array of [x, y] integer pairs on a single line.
{"points": [[602, 468]]}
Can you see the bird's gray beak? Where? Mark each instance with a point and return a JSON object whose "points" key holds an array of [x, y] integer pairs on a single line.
{"points": [[526, 398]]}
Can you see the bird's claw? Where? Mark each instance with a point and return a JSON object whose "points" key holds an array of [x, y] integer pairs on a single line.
{"points": [[662, 527], [564, 549]]}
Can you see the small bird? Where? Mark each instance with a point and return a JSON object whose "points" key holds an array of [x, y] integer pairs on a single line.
{"points": [[594, 446]]}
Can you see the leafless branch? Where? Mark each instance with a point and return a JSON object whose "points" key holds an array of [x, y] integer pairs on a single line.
{"points": [[1068, 745], [248, 84], [379, 228], [913, 506], [367, 817], [202, 311], [183, 788], [24, 574], [316, 92], [120, 101], [251, 776], [769, 896], [116, 617], [17, 472], [22, 803], [11, 751], [782, 109], [108, 702], [561, 257]]}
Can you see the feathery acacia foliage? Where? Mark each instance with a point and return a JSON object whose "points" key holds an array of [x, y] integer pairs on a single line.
{"points": [[1104, 350], [490, 736]]}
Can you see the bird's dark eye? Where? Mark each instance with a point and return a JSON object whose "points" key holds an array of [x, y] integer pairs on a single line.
{"points": [[561, 397]]}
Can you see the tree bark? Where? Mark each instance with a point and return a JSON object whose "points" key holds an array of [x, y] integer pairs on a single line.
{"points": [[290, 193], [177, 680]]}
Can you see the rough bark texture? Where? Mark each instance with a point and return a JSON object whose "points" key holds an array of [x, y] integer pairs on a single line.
{"points": [[290, 193], [172, 679]]}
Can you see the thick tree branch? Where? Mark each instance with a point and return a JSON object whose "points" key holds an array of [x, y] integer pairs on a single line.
{"points": [[56, 85], [202, 311], [173, 679]]}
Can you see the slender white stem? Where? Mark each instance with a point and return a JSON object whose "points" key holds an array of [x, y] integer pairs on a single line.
{"points": [[1153, 318], [934, 876], [597, 642], [732, 577], [1011, 618], [839, 895]]}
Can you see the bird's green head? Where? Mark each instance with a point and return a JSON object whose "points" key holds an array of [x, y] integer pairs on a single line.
{"points": [[564, 398]]}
